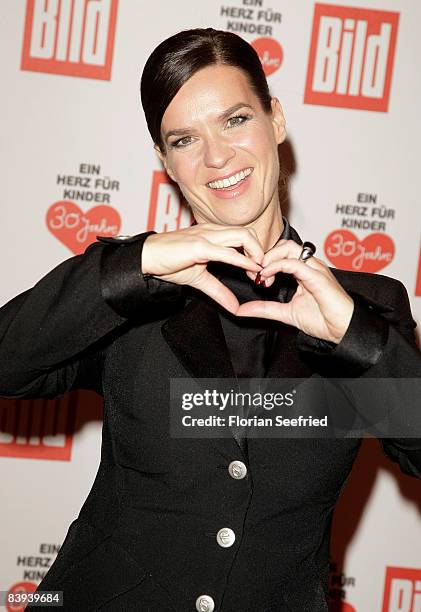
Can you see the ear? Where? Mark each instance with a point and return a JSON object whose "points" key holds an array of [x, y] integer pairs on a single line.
{"points": [[278, 121], [164, 161]]}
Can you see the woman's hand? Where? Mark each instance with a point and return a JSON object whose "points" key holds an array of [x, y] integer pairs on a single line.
{"points": [[181, 257], [320, 306]]}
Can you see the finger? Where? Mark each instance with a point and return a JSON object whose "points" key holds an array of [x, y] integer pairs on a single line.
{"points": [[267, 280], [251, 275], [230, 256], [282, 250], [289, 250], [276, 311], [313, 262], [312, 279], [237, 237], [216, 290]]}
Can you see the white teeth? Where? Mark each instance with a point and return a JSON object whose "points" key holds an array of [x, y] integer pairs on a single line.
{"points": [[232, 180]]}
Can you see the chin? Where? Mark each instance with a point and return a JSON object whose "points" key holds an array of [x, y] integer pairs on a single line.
{"points": [[235, 211], [237, 208], [242, 220], [244, 215]]}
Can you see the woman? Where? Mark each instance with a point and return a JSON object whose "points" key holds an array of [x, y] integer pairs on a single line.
{"points": [[205, 523]]}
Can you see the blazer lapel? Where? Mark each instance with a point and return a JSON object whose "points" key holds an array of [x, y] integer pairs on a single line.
{"points": [[196, 337]]}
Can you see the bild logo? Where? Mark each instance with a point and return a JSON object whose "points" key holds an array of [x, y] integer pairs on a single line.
{"points": [[351, 57], [37, 429], [402, 590], [70, 37], [167, 211]]}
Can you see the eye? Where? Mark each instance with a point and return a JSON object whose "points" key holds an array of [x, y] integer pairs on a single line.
{"points": [[238, 120], [181, 142]]}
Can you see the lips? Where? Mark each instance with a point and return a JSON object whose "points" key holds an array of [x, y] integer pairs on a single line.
{"points": [[231, 180], [237, 185]]}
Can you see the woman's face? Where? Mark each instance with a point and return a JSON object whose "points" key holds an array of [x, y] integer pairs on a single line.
{"points": [[221, 147]]}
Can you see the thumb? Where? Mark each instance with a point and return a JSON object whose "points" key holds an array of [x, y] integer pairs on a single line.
{"points": [[277, 311], [216, 290]]}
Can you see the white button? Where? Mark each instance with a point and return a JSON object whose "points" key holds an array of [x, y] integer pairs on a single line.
{"points": [[225, 537], [205, 603], [237, 469]]}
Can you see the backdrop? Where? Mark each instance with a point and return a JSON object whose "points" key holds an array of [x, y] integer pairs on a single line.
{"points": [[77, 161]]}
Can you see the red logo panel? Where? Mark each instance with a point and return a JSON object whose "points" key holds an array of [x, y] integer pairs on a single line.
{"points": [[270, 54], [19, 589], [402, 590], [167, 210], [70, 37], [351, 57], [347, 252], [76, 229], [37, 429]]}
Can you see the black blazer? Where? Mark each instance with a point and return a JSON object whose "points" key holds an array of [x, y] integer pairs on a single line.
{"points": [[146, 536]]}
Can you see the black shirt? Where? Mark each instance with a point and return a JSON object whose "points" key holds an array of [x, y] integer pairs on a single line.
{"points": [[250, 340]]}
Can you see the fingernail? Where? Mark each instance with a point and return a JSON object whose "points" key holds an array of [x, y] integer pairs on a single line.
{"points": [[258, 279]]}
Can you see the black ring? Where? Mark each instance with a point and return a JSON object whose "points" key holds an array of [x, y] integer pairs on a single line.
{"points": [[307, 251]]}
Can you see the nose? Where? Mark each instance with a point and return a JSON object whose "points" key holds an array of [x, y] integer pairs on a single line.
{"points": [[217, 152]]}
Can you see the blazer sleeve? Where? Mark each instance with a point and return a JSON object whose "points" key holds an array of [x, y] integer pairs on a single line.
{"points": [[379, 343], [53, 336]]}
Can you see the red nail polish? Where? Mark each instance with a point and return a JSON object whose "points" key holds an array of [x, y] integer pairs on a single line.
{"points": [[258, 279]]}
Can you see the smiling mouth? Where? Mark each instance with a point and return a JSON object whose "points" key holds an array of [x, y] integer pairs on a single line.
{"points": [[230, 181]]}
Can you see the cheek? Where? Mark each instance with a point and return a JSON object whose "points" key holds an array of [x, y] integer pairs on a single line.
{"points": [[184, 169], [258, 141]]}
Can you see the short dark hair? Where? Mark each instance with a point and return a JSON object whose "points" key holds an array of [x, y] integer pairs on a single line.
{"points": [[179, 57]]}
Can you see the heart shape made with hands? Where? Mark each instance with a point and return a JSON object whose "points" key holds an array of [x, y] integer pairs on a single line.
{"points": [[320, 306], [77, 229]]}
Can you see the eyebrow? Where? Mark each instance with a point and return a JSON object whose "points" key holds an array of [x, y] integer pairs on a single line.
{"points": [[221, 117]]}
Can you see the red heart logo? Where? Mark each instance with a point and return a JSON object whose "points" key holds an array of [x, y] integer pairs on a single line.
{"points": [[270, 53], [77, 229], [371, 254]]}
